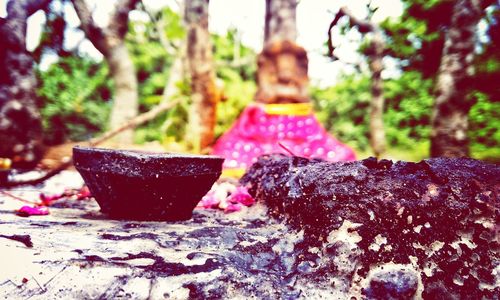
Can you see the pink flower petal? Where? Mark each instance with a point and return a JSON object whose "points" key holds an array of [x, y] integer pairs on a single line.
{"points": [[27, 211], [84, 193], [242, 196], [209, 201], [232, 208]]}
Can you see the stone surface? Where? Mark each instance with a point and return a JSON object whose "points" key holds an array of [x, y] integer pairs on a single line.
{"points": [[437, 219], [77, 252], [440, 242]]}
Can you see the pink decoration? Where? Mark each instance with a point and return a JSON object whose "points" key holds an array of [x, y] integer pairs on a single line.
{"points": [[232, 208], [77, 194], [257, 132], [27, 211], [209, 201], [242, 196], [48, 199], [227, 197]]}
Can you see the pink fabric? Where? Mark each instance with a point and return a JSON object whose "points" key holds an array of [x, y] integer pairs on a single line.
{"points": [[256, 133]]}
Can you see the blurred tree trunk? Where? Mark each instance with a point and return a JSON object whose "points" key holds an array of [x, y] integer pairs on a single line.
{"points": [[179, 68], [377, 131], [375, 54], [451, 107], [20, 122], [110, 42], [176, 74], [205, 95], [281, 20]]}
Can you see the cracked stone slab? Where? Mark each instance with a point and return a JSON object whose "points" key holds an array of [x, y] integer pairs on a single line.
{"points": [[77, 252]]}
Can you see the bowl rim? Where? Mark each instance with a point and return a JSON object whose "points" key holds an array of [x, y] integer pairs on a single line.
{"points": [[138, 154], [131, 163]]}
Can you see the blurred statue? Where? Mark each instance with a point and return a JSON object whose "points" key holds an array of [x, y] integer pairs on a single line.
{"points": [[282, 74], [281, 120]]}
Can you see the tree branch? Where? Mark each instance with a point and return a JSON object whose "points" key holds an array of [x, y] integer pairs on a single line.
{"points": [[375, 54], [363, 26], [35, 5], [118, 23], [140, 119], [29, 7], [93, 32]]}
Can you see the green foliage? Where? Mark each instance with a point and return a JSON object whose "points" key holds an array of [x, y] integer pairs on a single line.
{"points": [[408, 108], [173, 28], [238, 94], [235, 71], [345, 108], [488, 61], [76, 91], [236, 68], [170, 127], [416, 39], [74, 94], [231, 54], [151, 60], [484, 124]]}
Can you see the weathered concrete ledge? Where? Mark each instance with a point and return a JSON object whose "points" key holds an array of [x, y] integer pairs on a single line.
{"points": [[384, 230], [76, 253], [369, 229]]}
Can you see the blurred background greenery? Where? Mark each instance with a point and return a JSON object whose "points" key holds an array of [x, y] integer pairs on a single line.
{"points": [[76, 91]]}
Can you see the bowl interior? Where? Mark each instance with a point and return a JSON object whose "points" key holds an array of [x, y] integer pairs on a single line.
{"points": [[145, 164]]}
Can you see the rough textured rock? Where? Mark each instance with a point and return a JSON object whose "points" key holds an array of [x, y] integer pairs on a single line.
{"points": [[390, 230], [369, 229], [76, 252]]}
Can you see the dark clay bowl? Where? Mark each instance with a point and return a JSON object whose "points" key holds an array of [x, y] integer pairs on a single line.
{"points": [[146, 186]]}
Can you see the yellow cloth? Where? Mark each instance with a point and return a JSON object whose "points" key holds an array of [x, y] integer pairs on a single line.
{"points": [[291, 109], [234, 173]]}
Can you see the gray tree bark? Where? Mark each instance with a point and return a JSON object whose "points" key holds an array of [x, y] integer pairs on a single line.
{"points": [[179, 66], [451, 107], [375, 56], [20, 122], [280, 22], [205, 95], [110, 42], [377, 131]]}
